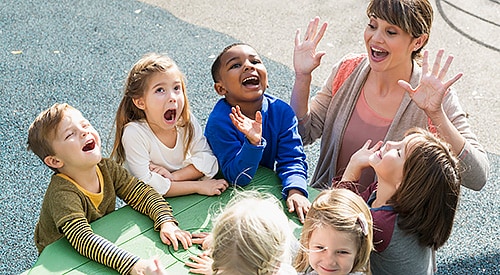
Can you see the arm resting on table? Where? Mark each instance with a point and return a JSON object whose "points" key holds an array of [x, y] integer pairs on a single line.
{"points": [[82, 238]]}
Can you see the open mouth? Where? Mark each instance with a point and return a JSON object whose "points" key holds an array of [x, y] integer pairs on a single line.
{"points": [[170, 115], [89, 146], [251, 81], [378, 53]]}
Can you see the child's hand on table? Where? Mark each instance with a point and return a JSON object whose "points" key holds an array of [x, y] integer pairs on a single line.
{"points": [[298, 203], [201, 264], [170, 234], [203, 238], [212, 187]]}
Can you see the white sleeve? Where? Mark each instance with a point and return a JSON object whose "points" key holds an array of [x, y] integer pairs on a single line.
{"points": [[137, 145], [200, 153]]}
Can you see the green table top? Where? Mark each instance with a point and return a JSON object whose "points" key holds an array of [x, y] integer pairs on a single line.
{"points": [[134, 231]]}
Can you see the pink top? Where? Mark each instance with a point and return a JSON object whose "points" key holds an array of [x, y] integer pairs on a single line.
{"points": [[364, 124]]}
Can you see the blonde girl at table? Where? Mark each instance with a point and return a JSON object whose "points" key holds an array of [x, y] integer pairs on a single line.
{"points": [[157, 138], [337, 235], [251, 236]]}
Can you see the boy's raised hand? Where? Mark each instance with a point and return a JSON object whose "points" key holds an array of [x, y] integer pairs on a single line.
{"points": [[170, 234], [252, 129], [298, 203]]}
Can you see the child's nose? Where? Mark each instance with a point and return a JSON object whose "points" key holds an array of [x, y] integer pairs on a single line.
{"points": [[390, 144], [171, 100], [248, 65], [331, 259]]}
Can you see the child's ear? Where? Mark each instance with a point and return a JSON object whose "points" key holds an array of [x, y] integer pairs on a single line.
{"points": [[139, 103], [220, 89], [420, 41], [53, 162]]}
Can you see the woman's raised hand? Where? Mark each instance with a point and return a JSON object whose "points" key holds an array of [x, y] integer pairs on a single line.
{"points": [[305, 57], [429, 93]]}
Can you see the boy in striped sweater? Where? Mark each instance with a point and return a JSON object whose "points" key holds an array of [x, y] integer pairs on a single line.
{"points": [[84, 188]]}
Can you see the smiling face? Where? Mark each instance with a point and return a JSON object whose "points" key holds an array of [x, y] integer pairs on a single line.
{"points": [[332, 251], [76, 143], [243, 76], [388, 162], [163, 100], [388, 46]]}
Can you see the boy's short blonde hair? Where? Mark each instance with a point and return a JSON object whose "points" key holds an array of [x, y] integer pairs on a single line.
{"points": [[251, 236], [43, 130]]}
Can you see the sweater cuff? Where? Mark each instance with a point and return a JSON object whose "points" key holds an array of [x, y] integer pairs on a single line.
{"points": [[464, 152], [294, 182]]}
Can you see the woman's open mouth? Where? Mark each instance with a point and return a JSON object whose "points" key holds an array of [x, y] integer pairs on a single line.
{"points": [[378, 54]]}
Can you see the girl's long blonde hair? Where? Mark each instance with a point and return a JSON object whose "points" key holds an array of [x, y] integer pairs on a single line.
{"points": [[135, 86], [345, 211], [251, 236]]}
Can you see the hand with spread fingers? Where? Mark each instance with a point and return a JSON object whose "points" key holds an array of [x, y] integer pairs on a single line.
{"points": [[429, 93], [305, 57]]}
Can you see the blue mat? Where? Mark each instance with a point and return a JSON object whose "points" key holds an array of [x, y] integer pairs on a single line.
{"points": [[79, 52]]}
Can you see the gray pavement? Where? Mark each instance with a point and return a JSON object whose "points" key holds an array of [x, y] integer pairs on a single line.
{"points": [[80, 51]]}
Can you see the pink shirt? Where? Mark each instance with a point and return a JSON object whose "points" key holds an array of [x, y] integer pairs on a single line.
{"points": [[364, 124]]}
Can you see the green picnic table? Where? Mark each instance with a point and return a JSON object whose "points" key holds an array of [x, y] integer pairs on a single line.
{"points": [[134, 231]]}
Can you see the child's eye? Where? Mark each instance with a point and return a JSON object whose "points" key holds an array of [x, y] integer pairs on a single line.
{"points": [[178, 88], [319, 248], [399, 152], [371, 26], [160, 90], [256, 61], [343, 252], [235, 66], [68, 136], [392, 32]]}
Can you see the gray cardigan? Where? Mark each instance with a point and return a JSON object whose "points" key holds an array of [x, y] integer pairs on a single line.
{"points": [[328, 118]]}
